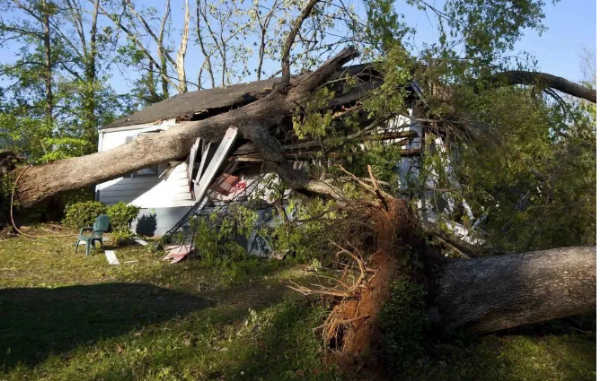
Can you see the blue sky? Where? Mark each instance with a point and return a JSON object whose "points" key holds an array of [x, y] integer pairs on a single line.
{"points": [[571, 29]]}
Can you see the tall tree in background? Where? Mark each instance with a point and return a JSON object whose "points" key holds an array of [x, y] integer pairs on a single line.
{"points": [[58, 46], [38, 58]]}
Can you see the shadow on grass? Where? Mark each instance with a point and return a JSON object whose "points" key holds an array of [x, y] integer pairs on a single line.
{"points": [[560, 349], [36, 322], [287, 348]]}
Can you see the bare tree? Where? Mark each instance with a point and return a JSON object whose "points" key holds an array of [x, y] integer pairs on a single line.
{"points": [[183, 48]]}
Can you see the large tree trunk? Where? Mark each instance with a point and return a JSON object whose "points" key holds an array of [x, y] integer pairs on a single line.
{"points": [[253, 121], [495, 293]]}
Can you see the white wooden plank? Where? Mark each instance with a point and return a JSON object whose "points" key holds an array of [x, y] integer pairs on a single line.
{"points": [[202, 162], [139, 180], [165, 124], [193, 153], [111, 257], [150, 204], [123, 192], [128, 187], [158, 191], [216, 162]]}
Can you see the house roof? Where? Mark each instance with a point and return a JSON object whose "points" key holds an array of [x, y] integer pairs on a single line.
{"points": [[187, 104], [184, 106]]}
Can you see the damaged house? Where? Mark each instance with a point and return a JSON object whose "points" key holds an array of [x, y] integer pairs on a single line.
{"points": [[218, 172], [165, 193]]}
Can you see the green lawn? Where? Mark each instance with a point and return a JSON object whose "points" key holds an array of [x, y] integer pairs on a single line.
{"points": [[67, 317]]}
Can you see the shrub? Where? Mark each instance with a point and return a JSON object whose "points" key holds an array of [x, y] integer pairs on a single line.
{"points": [[218, 236], [121, 215], [82, 214], [122, 237], [71, 197]]}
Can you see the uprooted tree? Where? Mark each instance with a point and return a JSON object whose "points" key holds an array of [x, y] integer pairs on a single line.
{"points": [[329, 117]]}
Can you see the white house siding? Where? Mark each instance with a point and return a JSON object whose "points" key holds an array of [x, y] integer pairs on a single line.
{"points": [[163, 199], [408, 167]]}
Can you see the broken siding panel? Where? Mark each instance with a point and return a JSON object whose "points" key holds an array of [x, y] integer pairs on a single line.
{"points": [[164, 205]]}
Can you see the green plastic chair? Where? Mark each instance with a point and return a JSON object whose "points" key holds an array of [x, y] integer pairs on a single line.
{"points": [[100, 227]]}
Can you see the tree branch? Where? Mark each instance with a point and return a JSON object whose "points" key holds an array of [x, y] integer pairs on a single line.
{"points": [[285, 57], [520, 77]]}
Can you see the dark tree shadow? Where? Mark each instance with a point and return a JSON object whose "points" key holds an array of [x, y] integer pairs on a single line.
{"points": [[35, 322]]}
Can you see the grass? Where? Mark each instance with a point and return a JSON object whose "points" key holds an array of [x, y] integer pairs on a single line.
{"points": [[562, 355], [67, 317]]}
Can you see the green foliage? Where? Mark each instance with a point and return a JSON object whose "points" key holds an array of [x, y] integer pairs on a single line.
{"points": [[404, 323], [306, 235], [38, 140], [533, 174], [82, 214], [313, 120], [382, 158], [384, 29], [122, 237], [75, 196], [388, 99], [489, 28], [218, 236], [121, 215], [6, 188]]}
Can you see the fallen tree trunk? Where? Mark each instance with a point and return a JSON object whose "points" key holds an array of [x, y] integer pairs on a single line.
{"points": [[40, 182], [253, 120], [500, 292]]}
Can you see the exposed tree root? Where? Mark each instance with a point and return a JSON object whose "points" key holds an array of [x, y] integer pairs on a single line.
{"points": [[368, 257]]}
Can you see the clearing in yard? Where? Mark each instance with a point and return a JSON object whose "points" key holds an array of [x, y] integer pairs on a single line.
{"points": [[68, 317]]}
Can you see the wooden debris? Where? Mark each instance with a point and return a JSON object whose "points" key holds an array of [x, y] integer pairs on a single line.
{"points": [[111, 257]]}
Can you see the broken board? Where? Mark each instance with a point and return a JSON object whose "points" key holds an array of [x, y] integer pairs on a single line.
{"points": [[193, 153], [206, 178], [205, 149], [111, 257], [215, 163]]}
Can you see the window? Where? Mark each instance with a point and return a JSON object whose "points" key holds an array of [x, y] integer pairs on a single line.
{"points": [[144, 172]]}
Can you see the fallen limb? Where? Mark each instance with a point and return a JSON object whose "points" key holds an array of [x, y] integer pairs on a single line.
{"points": [[43, 181], [544, 80]]}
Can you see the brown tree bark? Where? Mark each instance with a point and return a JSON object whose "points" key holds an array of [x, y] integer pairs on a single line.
{"points": [[500, 292], [253, 121]]}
